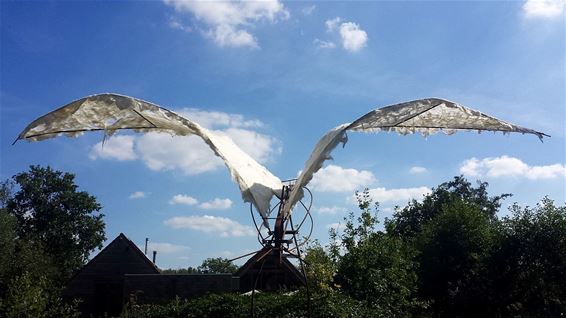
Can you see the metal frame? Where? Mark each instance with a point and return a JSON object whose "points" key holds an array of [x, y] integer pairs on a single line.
{"points": [[283, 238]]}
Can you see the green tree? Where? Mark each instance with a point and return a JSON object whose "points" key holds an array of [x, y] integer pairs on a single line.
{"points": [[381, 272], [529, 268], [19, 256], [376, 268], [453, 252], [7, 236], [53, 214], [218, 265], [33, 297], [320, 267], [407, 222], [36, 211]]}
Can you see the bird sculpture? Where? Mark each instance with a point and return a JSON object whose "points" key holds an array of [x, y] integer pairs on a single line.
{"points": [[112, 112]]}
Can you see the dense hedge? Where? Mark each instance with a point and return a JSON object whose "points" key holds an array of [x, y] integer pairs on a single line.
{"points": [[322, 304]]}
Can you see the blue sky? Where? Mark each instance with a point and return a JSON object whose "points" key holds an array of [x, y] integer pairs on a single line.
{"points": [[276, 76]]}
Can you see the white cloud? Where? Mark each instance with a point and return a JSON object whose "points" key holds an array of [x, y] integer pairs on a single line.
{"points": [[543, 8], [417, 170], [216, 204], [209, 224], [470, 167], [308, 10], [505, 166], [226, 35], [337, 179], [332, 24], [215, 120], [353, 38], [166, 248], [120, 148], [330, 210], [324, 44], [227, 20], [137, 195], [190, 154], [383, 195], [183, 199], [193, 156], [178, 25]]}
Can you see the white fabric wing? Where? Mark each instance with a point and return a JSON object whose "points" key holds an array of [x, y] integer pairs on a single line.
{"points": [[425, 116], [431, 115], [112, 112], [319, 155]]}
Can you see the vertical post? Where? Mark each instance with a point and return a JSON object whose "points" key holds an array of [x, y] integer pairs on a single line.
{"points": [[145, 250], [154, 255], [278, 228]]}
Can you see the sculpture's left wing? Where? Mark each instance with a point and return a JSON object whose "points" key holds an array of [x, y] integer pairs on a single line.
{"points": [[113, 112], [425, 116]]}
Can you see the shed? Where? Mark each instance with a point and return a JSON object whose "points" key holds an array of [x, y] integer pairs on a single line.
{"points": [[269, 271], [100, 283]]}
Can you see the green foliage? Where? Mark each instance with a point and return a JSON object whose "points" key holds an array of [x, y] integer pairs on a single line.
{"points": [[407, 222], [218, 265], [320, 267], [454, 248], [376, 268], [322, 304], [47, 230], [447, 256], [26, 257], [31, 297], [472, 263], [51, 212], [7, 246], [19, 256], [6, 191], [366, 222], [381, 272], [530, 264]]}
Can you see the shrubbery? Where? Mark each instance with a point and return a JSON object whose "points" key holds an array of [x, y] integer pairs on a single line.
{"points": [[327, 303], [449, 255]]}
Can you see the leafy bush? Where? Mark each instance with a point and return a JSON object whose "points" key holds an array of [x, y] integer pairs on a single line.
{"points": [[29, 297], [453, 252], [377, 269], [529, 267], [322, 304]]}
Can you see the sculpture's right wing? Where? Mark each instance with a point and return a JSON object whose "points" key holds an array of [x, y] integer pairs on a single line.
{"points": [[112, 112], [426, 116]]}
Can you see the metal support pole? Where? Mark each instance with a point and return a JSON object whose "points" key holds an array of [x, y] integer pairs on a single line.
{"points": [[145, 250]]}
